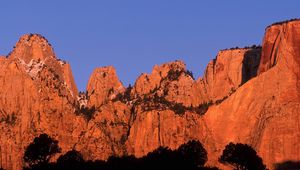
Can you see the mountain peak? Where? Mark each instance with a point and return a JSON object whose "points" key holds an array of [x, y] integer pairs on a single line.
{"points": [[103, 85], [32, 46], [33, 37], [247, 95], [174, 65]]}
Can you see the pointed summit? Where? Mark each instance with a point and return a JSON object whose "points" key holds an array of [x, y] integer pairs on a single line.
{"points": [[32, 46], [103, 85], [33, 52], [147, 82]]}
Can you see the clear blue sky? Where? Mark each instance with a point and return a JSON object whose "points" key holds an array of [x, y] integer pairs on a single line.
{"points": [[133, 35]]}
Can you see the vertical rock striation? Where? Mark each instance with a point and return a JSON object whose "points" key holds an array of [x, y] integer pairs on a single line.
{"points": [[37, 96], [264, 112], [247, 95]]}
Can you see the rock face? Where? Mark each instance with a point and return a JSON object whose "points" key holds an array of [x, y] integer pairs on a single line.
{"points": [[171, 80], [230, 69], [37, 96], [103, 86], [106, 133], [264, 112], [247, 95], [178, 117]]}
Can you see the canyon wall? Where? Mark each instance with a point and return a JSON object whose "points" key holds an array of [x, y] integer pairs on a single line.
{"points": [[247, 95]]}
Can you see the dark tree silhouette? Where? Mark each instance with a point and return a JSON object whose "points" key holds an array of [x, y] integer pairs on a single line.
{"points": [[39, 152], [178, 108], [189, 156], [72, 160], [123, 163], [161, 158], [88, 112], [193, 153], [242, 157]]}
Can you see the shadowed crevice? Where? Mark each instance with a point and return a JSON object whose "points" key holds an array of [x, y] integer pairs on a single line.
{"points": [[250, 64]]}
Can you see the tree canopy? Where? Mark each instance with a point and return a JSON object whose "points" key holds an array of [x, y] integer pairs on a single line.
{"points": [[242, 157], [41, 150], [189, 156]]}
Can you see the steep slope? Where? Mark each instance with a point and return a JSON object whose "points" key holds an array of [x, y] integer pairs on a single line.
{"points": [[169, 105], [34, 49], [103, 86], [173, 81], [264, 112], [108, 126], [37, 96], [247, 95], [231, 69]]}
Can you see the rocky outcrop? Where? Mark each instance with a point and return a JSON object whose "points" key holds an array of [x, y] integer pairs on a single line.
{"points": [[106, 133], [103, 86], [247, 95], [183, 101], [107, 118], [230, 70], [272, 43], [37, 96], [264, 112], [223, 76], [171, 81], [34, 52], [32, 47]]}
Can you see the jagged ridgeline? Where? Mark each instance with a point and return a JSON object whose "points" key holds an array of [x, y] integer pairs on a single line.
{"points": [[246, 95]]}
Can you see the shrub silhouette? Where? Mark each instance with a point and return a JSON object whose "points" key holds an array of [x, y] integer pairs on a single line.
{"points": [[71, 160], [161, 158], [173, 75], [88, 112], [178, 108], [283, 22], [189, 156], [120, 163], [242, 157], [39, 152], [190, 73], [124, 97], [193, 153]]}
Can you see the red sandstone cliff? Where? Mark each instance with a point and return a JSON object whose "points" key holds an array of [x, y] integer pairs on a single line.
{"points": [[38, 94], [249, 95], [264, 112]]}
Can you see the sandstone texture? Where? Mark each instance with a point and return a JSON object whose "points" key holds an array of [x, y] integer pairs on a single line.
{"points": [[38, 95], [103, 86], [247, 95], [264, 112]]}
